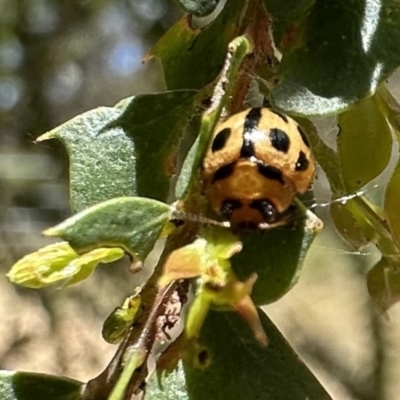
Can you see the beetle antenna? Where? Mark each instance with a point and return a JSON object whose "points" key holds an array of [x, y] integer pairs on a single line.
{"points": [[201, 219]]}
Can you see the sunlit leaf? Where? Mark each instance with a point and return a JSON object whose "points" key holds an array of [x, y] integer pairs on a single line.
{"points": [[207, 255], [186, 173], [221, 243], [156, 123], [364, 143], [184, 263], [171, 386], [126, 150], [229, 350], [391, 205], [392, 109], [132, 223], [87, 263], [33, 386], [392, 193], [330, 66], [326, 157], [57, 263]]}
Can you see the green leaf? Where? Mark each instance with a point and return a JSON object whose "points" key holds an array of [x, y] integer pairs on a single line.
{"points": [[186, 173], [326, 157], [352, 224], [33, 386], [171, 386], [327, 67], [391, 204], [392, 109], [384, 282], [364, 143], [102, 160], [276, 256], [132, 223], [192, 58], [199, 8], [58, 262], [156, 124], [126, 150], [361, 222], [393, 188], [231, 365]]}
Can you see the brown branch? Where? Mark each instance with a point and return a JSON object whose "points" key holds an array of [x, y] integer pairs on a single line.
{"points": [[256, 25], [142, 334]]}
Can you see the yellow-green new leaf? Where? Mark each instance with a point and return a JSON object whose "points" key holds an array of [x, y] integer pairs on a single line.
{"points": [[206, 256], [57, 263], [87, 263]]}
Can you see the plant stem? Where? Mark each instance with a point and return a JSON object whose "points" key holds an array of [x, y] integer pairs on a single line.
{"points": [[134, 361], [140, 338]]}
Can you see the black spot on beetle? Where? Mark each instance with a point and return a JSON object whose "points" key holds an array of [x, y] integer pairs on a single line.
{"points": [[252, 119], [270, 172], [220, 139], [283, 116], [247, 149], [303, 136], [251, 122], [223, 172], [266, 209], [279, 140], [302, 162], [229, 206]]}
